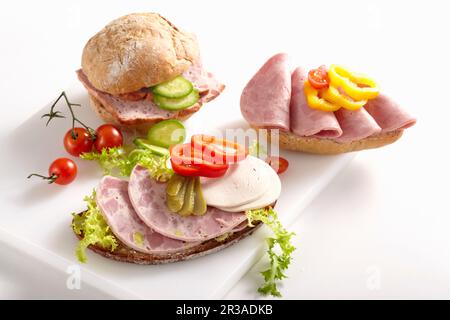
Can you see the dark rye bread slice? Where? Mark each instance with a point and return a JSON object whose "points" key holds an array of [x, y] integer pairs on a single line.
{"points": [[125, 254]]}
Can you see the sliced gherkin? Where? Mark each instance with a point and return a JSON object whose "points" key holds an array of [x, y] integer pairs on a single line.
{"points": [[175, 202], [174, 185], [199, 200], [189, 198]]}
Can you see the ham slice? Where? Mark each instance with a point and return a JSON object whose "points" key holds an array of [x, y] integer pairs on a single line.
{"points": [[133, 112], [306, 121], [148, 198], [388, 114], [355, 125], [265, 99], [114, 203]]}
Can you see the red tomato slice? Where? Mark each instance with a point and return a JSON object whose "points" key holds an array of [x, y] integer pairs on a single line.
{"points": [[216, 149], [318, 78], [279, 164], [188, 162]]}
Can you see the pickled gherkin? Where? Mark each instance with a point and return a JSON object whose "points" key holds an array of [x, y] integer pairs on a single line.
{"points": [[199, 203], [184, 196], [189, 198], [175, 184]]}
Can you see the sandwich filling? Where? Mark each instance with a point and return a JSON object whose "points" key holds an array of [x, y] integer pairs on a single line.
{"points": [[140, 106]]}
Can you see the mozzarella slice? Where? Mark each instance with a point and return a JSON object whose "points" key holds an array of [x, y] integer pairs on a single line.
{"points": [[267, 198], [244, 182]]}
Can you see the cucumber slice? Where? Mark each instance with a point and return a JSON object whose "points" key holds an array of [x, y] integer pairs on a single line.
{"points": [[176, 88], [174, 104], [167, 133], [145, 144]]}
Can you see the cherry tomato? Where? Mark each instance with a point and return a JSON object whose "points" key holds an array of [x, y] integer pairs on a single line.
{"points": [[318, 78], [279, 164], [108, 136], [82, 143], [64, 169]]}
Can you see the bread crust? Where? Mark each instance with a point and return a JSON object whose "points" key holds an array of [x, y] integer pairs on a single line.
{"points": [[125, 254], [314, 145], [136, 51]]}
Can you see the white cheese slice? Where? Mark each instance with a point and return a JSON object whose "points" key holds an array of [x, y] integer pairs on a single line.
{"points": [[267, 198], [244, 182]]}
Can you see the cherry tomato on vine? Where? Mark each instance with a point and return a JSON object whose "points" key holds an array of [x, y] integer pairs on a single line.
{"points": [[77, 141], [108, 136], [61, 171]]}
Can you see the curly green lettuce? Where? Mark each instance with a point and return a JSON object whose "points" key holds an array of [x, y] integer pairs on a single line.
{"points": [[279, 262], [93, 228], [117, 161]]}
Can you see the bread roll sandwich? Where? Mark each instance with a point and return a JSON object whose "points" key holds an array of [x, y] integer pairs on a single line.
{"points": [[328, 110], [141, 69]]}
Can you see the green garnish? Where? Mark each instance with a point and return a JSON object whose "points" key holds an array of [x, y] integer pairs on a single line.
{"points": [[94, 229], [116, 160], [279, 262]]}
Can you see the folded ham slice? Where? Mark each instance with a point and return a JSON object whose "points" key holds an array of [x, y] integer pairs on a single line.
{"points": [[265, 99], [355, 125], [306, 121], [114, 203], [149, 200], [388, 114], [135, 112]]}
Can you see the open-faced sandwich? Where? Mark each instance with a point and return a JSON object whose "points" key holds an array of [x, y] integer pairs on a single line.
{"points": [[328, 110], [141, 69], [187, 201]]}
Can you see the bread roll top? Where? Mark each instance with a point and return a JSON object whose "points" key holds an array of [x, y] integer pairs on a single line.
{"points": [[136, 51]]}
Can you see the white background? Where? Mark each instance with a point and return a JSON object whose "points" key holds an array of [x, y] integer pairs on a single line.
{"points": [[381, 229]]}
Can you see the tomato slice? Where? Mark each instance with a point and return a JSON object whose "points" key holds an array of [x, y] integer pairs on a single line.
{"points": [[217, 149], [318, 78], [187, 161], [279, 164], [198, 170]]}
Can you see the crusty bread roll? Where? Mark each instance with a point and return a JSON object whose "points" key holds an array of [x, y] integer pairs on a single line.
{"points": [[290, 141], [125, 254], [136, 51]]}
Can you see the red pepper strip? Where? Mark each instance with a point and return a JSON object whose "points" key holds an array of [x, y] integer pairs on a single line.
{"points": [[214, 148], [187, 162]]}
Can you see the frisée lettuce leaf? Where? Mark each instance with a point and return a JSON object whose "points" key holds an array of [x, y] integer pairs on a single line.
{"points": [[117, 161], [279, 249], [93, 228]]}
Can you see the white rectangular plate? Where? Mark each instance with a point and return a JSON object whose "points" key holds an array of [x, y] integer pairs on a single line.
{"points": [[36, 216]]}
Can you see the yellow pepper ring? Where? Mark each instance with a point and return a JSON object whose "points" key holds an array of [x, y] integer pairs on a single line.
{"points": [[349, 81], [333, 95], [315, 102]]}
